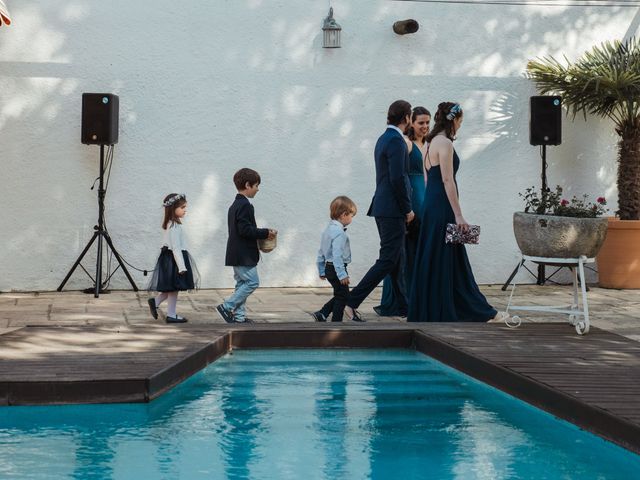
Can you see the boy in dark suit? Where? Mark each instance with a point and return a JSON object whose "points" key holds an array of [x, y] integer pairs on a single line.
{"points": [[242, 246]]}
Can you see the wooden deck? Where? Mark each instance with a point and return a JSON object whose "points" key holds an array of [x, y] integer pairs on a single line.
{"points": [[592, 380]]}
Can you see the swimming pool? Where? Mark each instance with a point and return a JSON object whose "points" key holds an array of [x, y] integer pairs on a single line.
{"points": [[280, 414]]}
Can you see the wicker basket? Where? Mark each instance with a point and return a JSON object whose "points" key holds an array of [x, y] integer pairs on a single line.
{"points": [[265, 245]]}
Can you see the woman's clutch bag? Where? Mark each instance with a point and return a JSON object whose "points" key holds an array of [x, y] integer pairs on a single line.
{"points": [[456, 235]]}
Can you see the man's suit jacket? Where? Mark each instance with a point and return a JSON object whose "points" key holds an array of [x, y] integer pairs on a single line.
{"points": [[242, 245], [393, 189]]}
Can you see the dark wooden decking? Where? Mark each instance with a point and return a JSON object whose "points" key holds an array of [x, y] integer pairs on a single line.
{"points": [[592, 380]]}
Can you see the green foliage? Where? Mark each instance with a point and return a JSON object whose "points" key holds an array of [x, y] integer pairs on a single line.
{"points": [[604, 81], [550, 202]]}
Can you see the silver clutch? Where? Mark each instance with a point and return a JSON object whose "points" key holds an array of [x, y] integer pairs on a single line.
{"points": [[456, 235]]}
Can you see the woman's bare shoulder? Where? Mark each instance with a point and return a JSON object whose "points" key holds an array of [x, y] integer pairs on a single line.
{"points": [[440, 142]]}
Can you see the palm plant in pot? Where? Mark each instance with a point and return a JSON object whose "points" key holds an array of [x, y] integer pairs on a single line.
{"points": [[605, 82]]}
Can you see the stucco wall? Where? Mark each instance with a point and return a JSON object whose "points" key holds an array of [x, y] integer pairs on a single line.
{"points": [[208, 87]]}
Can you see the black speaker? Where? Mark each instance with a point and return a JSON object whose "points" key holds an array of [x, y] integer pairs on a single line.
{"points": [[545, 122], [99, 118]]}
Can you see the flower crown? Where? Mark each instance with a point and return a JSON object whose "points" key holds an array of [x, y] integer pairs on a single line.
{"points": [[174, 199], [455, 110]]}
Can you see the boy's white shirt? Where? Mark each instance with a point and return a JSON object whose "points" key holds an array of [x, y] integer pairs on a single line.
{"points": [[335, 248]]}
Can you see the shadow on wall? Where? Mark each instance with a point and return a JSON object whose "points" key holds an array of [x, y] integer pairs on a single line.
{"points": [[225, 85]]}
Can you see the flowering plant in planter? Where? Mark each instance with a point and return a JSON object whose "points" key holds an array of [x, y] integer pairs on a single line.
{"points": [[554, 227], [550, 202]]}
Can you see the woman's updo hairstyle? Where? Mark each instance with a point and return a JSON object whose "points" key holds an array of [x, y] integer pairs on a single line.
{"points": [[446, 114]]}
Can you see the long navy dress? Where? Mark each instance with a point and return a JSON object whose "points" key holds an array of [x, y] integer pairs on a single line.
{"points": [[443, 288], [388, 303]]}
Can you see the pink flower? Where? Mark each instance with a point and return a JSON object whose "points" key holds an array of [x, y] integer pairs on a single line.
{"points": [[601, 200], [564, 202]]}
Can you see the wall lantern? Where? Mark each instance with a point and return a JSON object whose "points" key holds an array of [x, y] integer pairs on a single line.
{"points": [[4, 14], [331, 31]]}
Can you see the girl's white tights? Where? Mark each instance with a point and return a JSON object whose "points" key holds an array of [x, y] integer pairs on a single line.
{"points": [[172, 301]]}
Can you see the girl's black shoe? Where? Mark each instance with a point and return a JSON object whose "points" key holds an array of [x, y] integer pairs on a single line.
{"points": [[153, 308], [176, 320]]}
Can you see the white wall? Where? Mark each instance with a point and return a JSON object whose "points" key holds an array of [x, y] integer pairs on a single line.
{"points": [[208, 87]]}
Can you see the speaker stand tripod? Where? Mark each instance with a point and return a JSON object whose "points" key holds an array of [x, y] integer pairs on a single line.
{"points": [[541, 277], [99, 234]]}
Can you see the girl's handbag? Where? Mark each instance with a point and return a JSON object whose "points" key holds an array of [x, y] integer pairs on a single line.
{"points": [[456, 235]]}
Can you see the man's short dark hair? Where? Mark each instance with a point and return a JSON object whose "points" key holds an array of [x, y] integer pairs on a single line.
{"points": [[398, 110], [244, 176]]}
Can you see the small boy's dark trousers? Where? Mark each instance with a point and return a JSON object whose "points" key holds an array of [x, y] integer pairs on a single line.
{"points": [[335, 306]]}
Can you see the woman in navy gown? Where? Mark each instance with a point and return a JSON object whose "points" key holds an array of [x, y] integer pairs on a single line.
{"points": [[417, 144], [443, 287]]}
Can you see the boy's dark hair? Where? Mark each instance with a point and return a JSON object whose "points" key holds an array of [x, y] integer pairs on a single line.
{"points": [[398, 110], [244, 175], [170, 211], [340, 205]]}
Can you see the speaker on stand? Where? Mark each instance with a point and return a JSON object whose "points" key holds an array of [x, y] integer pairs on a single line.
{"points": [[100, 127], [545, 128]]}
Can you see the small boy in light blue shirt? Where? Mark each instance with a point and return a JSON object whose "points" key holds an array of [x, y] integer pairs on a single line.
{"points": [[334, 256]]}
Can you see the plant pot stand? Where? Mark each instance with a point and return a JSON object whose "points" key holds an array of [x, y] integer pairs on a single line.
{"points": [[579, 307]]}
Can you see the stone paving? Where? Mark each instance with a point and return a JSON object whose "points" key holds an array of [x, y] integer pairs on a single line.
{"points": [[614, 310]]}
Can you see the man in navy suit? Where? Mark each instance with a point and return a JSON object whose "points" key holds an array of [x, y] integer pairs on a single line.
{"points": [[391, 207]]}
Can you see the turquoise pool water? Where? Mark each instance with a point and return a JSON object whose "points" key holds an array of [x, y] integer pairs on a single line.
{"points": [[312, 414]]}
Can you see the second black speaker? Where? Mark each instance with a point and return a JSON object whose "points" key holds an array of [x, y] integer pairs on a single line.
{"points": [[545, 122], [99, 118]]}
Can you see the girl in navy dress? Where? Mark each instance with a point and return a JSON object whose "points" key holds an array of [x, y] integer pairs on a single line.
{"points": [[175, 270], [444, 289]]}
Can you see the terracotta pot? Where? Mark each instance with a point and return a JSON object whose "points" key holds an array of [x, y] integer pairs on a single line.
{"points": [[619, 257], [558, 237]]}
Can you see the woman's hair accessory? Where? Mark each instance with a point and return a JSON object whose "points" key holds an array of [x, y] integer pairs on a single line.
{"points": [[174, 199], [455, 110]]}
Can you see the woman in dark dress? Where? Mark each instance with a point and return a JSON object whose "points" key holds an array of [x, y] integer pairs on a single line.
{"points": [[443, 288], [417, 144]]}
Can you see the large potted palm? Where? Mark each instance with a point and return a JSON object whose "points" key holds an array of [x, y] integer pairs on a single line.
{"points": [[605, 82]]}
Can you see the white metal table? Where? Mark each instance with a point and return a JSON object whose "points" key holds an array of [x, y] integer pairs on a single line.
{"points": [[578, 311]]}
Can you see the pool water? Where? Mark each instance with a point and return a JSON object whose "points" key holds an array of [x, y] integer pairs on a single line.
{"points": [[312, 414]]}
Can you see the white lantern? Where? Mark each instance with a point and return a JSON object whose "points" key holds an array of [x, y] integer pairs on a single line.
{"points": [[331, 31], [4, 14]]}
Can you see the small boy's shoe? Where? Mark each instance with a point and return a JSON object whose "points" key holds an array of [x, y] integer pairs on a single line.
{"points": [[318, 316], [244, 321], [226, 315], [176, 319], [153, 308]]}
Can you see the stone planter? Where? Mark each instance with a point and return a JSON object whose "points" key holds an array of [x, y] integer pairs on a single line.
{"points": [[558, 237]]}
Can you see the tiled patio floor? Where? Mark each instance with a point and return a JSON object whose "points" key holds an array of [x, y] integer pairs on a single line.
{"points": [[613, 310]]}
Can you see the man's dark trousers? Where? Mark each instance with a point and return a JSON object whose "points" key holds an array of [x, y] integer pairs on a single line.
{"points": [[390, 261]]}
